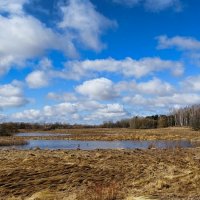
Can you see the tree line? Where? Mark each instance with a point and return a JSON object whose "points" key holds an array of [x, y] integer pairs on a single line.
{"points": [[8, 129], [188, 116], [138, 122]]}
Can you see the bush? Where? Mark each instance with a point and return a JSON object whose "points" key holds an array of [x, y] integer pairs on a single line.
{"points": [[143, 123], [162, 122], [7, 129]]}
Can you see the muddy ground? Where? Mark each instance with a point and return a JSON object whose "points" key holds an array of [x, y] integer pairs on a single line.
{"points": [[119, 174]]}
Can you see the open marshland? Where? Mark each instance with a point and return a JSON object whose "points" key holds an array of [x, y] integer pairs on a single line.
{"points": [[111, 174], [110, 134]]}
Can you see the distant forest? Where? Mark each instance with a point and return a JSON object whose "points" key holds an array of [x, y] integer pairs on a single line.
{"points": [[188, 116]]}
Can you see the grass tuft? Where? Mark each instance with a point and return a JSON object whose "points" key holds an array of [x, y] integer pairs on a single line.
{"points": [[12, 141]]}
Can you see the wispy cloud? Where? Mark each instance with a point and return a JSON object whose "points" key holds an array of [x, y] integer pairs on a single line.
{"points": [[153, 5], [178, 42], [84, 23], [189, 46], [129, 3]]}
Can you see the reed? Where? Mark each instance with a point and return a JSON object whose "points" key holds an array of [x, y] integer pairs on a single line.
{"points": [[109, 134], [12, 141]]}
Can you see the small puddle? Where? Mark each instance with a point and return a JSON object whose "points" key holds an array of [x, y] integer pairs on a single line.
{"points": [[91, 145]]}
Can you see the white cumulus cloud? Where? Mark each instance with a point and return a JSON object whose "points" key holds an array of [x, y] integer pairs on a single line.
{"points": [[155, 87], [167, 102], [24, 37], [11, 95], [37, 79], [12, 6], [98, 89], [31, 40], [85, 23], [108, 112], [127, 67], [191, 83], [82, 112]]}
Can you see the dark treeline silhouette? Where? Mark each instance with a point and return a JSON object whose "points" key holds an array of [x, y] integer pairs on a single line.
{"points": [[8, 129], [124, 123], [49, 126], [148, 122], [188, 116]]}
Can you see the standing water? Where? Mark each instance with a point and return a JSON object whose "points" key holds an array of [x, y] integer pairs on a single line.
{"points": [[91, 145]]}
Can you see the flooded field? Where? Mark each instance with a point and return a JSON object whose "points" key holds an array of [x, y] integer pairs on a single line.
{"points": [[91, 145], [82, 164], [112, 134], [45, 140]]}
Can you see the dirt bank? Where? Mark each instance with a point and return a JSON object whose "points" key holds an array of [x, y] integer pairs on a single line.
{"points": [[125, 174]]}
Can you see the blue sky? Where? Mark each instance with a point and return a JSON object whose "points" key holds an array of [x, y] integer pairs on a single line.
{"points": [[89, 61]]}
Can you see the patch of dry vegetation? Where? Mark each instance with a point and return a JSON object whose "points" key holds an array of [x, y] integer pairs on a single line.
{"points": [[11, 141], [100, 192], [109, 134], [122, 174]]}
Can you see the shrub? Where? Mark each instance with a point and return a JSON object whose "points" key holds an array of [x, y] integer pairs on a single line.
{"points": [[143, 123], [7, 129]]}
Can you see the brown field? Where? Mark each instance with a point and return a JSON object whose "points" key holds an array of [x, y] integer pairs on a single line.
{"points": [[103, 174], [100, 175], [172, 133]]}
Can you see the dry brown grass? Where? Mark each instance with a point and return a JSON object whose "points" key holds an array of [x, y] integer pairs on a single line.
{"points": [[172, 133], [11, 141], [100, 192], [165, 173]]}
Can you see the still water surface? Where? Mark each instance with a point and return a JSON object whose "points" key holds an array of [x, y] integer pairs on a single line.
{"points": [[40, 134], [91, 145]]}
